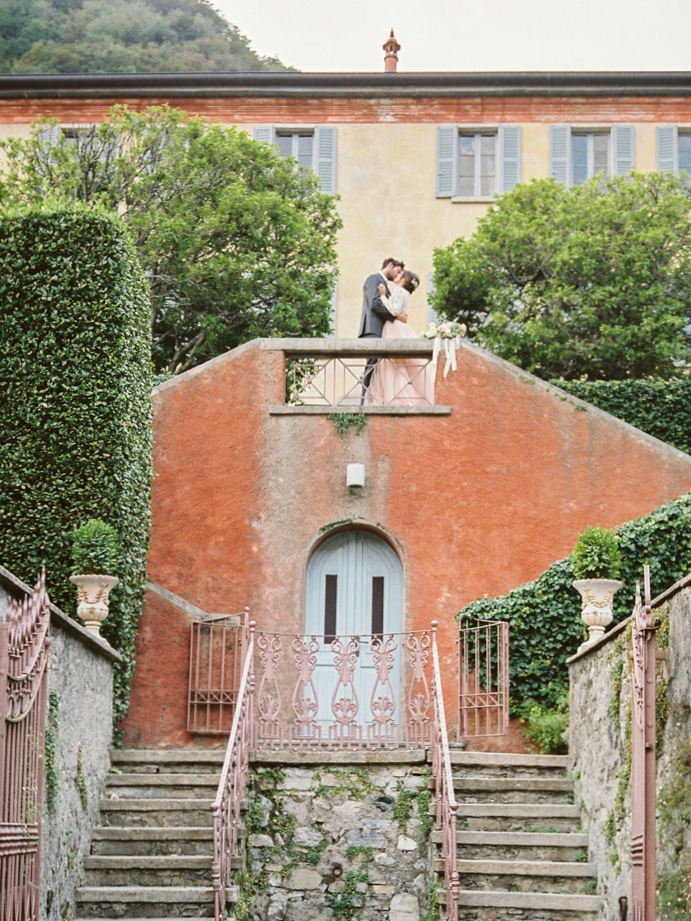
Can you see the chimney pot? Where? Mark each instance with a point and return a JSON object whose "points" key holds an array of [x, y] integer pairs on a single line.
{"points": [[391, 47]]}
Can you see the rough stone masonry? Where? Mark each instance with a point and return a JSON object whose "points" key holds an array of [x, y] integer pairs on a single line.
{"points": [[339, 841]]}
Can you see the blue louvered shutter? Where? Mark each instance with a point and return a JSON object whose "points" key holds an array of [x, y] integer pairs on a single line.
{"points": [[560, 153], [267, 134], [510, 146], [667, 149], [49, 135], [325, 158], [623, 142], [447, 142]]}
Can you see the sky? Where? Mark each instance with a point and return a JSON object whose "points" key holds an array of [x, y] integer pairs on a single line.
{"points": [[460, 35]]}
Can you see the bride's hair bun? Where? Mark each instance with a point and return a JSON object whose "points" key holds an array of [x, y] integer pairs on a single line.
{"points": [[412, 281]]}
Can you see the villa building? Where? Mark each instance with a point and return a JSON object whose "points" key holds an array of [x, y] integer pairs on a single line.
{"points": [[415, 158]]}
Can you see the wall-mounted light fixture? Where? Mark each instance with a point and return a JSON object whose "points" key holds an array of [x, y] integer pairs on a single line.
{"points": [[355, 475]]}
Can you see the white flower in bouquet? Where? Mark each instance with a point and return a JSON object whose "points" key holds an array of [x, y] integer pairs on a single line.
{"points": [[447, 329]]}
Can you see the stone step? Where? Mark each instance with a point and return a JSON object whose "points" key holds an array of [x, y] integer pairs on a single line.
{"points": [[148, 841], [146, 901], [168, 870], [156, 812], [504, 763], [496, 845], [168, 761], [518, 817], [517, 789], [178, 785], [528, 901], [524, 875]]}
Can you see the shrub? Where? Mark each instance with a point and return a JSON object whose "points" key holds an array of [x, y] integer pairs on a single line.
{"points": [[544, 615], [75, 378], [659, 407], [95, 549], [596, 555], [546, 728]]}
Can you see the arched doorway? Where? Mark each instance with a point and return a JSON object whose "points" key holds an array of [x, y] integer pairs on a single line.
{"points": [[355, 590]]}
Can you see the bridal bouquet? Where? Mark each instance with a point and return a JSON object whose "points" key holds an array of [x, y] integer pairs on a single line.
{"points": [[448, 329], [446, 334]]}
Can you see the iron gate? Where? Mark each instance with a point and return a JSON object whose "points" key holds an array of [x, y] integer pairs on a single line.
{"points": [[483, 670], [24, 642], [217, 648]]}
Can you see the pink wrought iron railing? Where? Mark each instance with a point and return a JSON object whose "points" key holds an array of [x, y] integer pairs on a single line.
{"points": [[446, 804], [356, 692], [24, 643], [227, 805]]}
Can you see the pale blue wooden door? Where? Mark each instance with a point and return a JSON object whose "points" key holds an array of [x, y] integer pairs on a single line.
{"points": [[355, 589]]}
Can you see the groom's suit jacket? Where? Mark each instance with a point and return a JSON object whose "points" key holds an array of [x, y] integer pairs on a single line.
{"points": [[374, 313]]}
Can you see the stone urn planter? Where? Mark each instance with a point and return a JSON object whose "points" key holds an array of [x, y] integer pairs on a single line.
{"points": [[598, 596], [92, 599]]}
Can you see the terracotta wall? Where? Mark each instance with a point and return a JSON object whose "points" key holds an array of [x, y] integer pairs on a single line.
{"points": [[476, 502]]}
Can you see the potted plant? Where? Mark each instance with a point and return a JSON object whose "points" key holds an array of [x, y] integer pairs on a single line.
{"points": [[596, 565], [95, 553]]}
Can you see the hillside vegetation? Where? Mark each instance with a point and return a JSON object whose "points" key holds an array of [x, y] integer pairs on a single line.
{"points": [[122, 36]]}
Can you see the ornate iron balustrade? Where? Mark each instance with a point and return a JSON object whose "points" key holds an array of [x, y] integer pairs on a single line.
{"points": [[24, 643], [345, 694], [227, 805], [340, 376], [446, 805]]}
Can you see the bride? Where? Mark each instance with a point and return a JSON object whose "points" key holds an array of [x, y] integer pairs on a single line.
{"points": [[400, 381]]}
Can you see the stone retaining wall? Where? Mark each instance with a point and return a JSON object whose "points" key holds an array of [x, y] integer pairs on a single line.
{"points": [[600, 741], [79, 734], [340, 839]]}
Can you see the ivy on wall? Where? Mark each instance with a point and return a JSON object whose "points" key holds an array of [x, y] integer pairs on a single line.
{"points": [[544, 616], [75, 413], [659, 407]]}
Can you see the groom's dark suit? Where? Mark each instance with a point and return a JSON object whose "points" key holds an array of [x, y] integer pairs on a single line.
{"points": [[374, 315]]}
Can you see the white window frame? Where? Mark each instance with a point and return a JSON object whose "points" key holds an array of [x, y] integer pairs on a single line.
{"points": [[477, 134], [296, 133], [590, 132]]}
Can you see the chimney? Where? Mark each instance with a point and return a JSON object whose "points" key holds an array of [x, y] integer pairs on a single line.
{"points": [[391, 47]]}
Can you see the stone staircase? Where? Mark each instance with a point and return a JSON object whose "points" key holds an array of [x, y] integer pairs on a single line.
{"points": [[520, 851], [151, 856]]}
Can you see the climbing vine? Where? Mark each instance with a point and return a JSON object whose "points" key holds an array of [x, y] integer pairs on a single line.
{"points": [[343, 421], [674, 805], [50, 753]]}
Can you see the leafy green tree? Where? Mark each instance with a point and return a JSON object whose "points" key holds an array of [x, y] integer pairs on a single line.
{"points": [[592, 282], [122, 36], [237, 241]]}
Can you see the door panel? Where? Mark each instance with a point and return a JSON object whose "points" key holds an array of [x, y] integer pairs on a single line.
{"points": [[354, 583]]}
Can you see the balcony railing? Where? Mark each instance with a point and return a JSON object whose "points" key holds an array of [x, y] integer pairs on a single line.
{"points": [[350, 374]]}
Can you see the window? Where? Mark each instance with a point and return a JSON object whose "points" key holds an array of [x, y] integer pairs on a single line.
{"points": [[477, 176], [577, 154], [674, 149], [589, 156], [477, 163], [313, 148], [298, 145]]}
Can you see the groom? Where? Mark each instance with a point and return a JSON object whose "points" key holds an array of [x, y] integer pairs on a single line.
{"points": [[374, 313]]}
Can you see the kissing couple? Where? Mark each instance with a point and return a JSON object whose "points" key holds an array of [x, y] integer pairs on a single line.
{"points": [[388, 381]]}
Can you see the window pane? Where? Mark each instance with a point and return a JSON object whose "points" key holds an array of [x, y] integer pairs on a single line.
{"points": [[601, 154], [305, 150], [377, 605], [467, 158], [285, 145], [685, 153], [330, 598], [487, 166], [579, 154]]}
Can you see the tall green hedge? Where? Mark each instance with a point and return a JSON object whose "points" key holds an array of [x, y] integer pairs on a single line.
{"points": [[544, 615], [659, 407], [75, 413]]}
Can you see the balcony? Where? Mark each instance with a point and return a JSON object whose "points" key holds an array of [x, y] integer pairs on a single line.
{"points": [[328, 375]]}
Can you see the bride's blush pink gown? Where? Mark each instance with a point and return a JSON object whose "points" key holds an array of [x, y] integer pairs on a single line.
{"points": [[401, 381]]}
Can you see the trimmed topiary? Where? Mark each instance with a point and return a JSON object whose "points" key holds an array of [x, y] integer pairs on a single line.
{"points": [[596, 555], [95, 549]]}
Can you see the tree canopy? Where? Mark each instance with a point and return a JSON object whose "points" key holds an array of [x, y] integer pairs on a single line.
{"points": [[122, 36], [237, 241], [591, 283]]}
